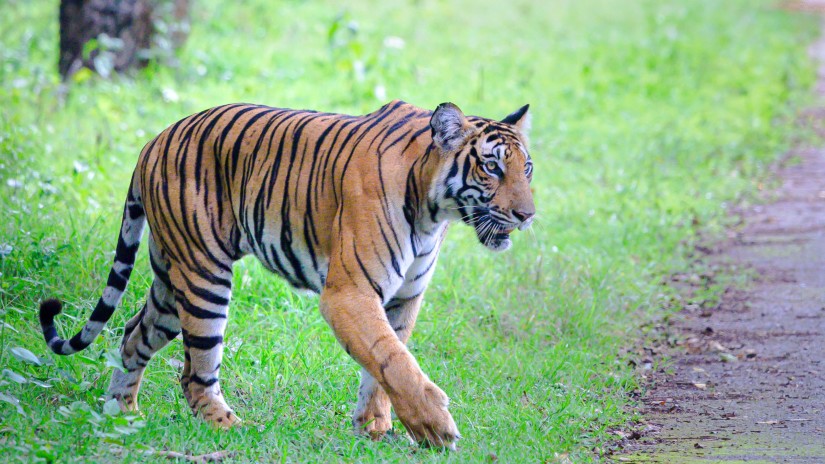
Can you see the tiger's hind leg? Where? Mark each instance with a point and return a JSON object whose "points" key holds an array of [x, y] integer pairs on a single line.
{"points": [[202, 300], [372, 414], [147, 332]]}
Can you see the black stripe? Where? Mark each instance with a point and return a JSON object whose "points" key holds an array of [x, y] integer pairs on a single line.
{"points": [[250, 164], [168, 333], [425, 271], [141, 355], [160, 307], [357, 142], [135, 211], [126, 253], [77, 343], [332, 145], [144, 334], [286, 228], [393, 258], [130, 325], [372, 282], [236, 149], [207, 130], [199, 312], [49, 333], [202, 343], [169, 220], [315, 173], [116, 281], [205, 294], [198, 380], [338, 155], [415, 137], [102, 312]]}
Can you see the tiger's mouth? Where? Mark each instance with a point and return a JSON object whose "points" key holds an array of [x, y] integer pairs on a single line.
{"points": [[492, 234]]}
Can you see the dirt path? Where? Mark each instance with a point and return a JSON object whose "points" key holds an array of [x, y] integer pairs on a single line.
{"points": [[749, 377]]}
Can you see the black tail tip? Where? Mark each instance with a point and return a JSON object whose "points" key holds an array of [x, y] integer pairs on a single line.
{"points": [[48, 310]]}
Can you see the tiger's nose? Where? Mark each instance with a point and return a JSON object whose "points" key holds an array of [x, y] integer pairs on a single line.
{"points": [[523, 216]]}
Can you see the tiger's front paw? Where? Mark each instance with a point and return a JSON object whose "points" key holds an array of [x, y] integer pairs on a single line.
{"points": [[372, 423], [372, 413], [427, 419]]}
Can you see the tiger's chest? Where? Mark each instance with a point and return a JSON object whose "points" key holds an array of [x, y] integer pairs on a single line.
{"points": [[418, 274]]}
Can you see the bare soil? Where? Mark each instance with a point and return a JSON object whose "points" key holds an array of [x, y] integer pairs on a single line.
{"points": [[747, 379]]}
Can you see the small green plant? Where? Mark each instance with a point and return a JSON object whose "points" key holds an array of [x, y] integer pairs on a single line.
{"points": [[368, 63]]}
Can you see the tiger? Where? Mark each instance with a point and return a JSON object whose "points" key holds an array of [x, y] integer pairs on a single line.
{"points": [[354, 208]]}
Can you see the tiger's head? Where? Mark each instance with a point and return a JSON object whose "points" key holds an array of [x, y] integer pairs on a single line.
{"points": [[485, 178]]}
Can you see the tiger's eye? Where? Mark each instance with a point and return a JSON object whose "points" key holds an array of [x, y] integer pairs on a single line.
{"points": [[491, 166]]}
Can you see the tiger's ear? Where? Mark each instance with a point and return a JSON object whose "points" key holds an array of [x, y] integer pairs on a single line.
{"points": [[450, 128], [520, 119]]}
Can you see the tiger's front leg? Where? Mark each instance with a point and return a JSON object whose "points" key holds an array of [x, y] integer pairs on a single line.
{"points": [[372, 414], [360, 324]]}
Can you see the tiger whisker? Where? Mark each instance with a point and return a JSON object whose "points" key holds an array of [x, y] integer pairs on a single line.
{"points": [[535, 237], [493, 229], [490, 225], [470, 216], [537, 222]]}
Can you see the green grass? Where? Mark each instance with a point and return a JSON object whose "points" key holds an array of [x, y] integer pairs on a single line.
{"points": [[649, 116]]}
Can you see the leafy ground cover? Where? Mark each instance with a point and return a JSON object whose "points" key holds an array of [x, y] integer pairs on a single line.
{"points": [[649, 117]]}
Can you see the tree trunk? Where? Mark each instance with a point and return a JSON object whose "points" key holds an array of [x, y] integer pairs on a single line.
{"points": [[113, 35]]}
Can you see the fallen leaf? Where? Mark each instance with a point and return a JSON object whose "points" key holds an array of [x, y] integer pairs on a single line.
{"points": [[562, 458], [694, 345], [700, 386], [716, 346]]}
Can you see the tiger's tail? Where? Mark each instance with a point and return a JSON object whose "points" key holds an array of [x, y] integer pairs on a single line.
{"points": [[131, 230]]}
